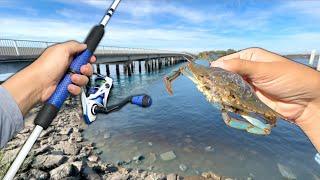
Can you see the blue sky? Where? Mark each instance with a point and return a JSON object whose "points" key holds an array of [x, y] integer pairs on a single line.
{"points": [[183, 25]]}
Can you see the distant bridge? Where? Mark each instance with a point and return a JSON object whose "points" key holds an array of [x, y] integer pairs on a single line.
{"points": [[27, 50], [16, 54]]}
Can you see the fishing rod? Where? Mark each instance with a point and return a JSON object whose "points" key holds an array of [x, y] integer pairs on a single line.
{"points": [[51, 108]]}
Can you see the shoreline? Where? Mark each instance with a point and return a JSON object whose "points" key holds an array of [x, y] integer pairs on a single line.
{"points": [[61, 152]]}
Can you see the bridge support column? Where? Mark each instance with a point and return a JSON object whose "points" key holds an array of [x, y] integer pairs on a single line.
{"points": [[117, 70], [152, 65], [125, 69], [140, 67], [98, 68], [132, 66], [159, 63], [107, 70], [148, 66], [129, 69]]}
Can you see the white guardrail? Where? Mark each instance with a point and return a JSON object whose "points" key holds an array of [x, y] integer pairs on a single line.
{"points": [[11, 47]]}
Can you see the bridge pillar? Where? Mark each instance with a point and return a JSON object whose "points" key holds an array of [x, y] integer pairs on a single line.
{"points": [[159, 63], [148, 66], [117, 70], [129, 69], [152, 66], [139, 66], [125, 69], [132, 66], [107, 70], [98, 68]]}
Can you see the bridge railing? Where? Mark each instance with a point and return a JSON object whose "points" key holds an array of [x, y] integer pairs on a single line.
{"points": [[11, 47]]}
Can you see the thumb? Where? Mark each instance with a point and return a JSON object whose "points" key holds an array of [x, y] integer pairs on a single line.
{"points": [[239, 66]]}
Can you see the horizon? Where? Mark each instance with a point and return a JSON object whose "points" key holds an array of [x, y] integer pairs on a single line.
{"points": [[286, 27]]}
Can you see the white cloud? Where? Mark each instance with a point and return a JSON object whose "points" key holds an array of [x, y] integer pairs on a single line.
{"points": [[181, 37]]}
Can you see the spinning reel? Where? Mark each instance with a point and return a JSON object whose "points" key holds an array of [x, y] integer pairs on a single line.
{"points": [[94, 99]]}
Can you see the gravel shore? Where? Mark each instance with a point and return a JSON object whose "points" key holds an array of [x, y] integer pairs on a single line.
{"points": [[61, 152]]}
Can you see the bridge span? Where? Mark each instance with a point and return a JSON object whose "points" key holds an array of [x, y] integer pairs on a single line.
{"points": [[16, 54]]}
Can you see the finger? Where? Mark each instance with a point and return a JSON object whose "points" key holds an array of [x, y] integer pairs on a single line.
{"points": [[79, 80], [93, 59], [74, 47], [74, 90], [86, 69], [239, 66]]}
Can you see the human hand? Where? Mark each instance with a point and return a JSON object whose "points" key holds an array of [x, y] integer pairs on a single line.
{"points": [[289, 88], [37, 82], [55, 61]]}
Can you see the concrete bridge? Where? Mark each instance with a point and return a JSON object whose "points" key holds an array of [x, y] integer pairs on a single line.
{"points": [[16, 54]]}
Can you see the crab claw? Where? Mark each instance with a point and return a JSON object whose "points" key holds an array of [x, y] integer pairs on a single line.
{"points": [[167, 82]]}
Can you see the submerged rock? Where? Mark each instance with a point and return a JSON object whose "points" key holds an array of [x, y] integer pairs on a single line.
{"points": [[209, 149], [286, 172], [138, 158], [93, 158], [107, 135], [183, 167], [167, 156]]}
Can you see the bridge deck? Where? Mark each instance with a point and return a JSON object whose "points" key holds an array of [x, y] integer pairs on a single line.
{"points": [[24, 50]]}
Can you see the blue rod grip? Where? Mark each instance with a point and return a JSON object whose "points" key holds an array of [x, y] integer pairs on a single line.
{"points": [[61, 93], [142, 100]]}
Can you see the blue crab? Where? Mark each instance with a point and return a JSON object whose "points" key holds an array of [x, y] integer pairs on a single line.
{"points": [[232, 94]]}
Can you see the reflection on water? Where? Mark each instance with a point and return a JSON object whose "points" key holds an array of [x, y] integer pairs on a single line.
{"points": [[193, 129]]}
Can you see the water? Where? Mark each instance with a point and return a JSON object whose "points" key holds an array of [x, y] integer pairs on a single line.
{"points": [[187, 124]]}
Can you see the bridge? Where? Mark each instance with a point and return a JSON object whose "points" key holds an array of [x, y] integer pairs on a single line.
{"points": [[15, 54]]}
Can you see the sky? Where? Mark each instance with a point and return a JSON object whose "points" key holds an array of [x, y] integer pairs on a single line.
{"points": [[283, 26]]}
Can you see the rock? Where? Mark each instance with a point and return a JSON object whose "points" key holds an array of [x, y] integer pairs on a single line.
{"points": [[47, 132], [9, 156], [42, 149], [209, 149], [90, 174], [286, 172], [167, 156], [48, 161], [99, 152], [155, 176], [93, 158], [138, 158], [118, 176], [211, 175], [171, 176], [183, 167], [37, 174], [25, 130], [79, 165], [152, 157], [68, 148], [63, 171], [111, 169], [66, 131], [106, 135]]}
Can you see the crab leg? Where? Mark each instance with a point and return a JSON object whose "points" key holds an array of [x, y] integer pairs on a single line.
{"points": [[235, 123]]}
